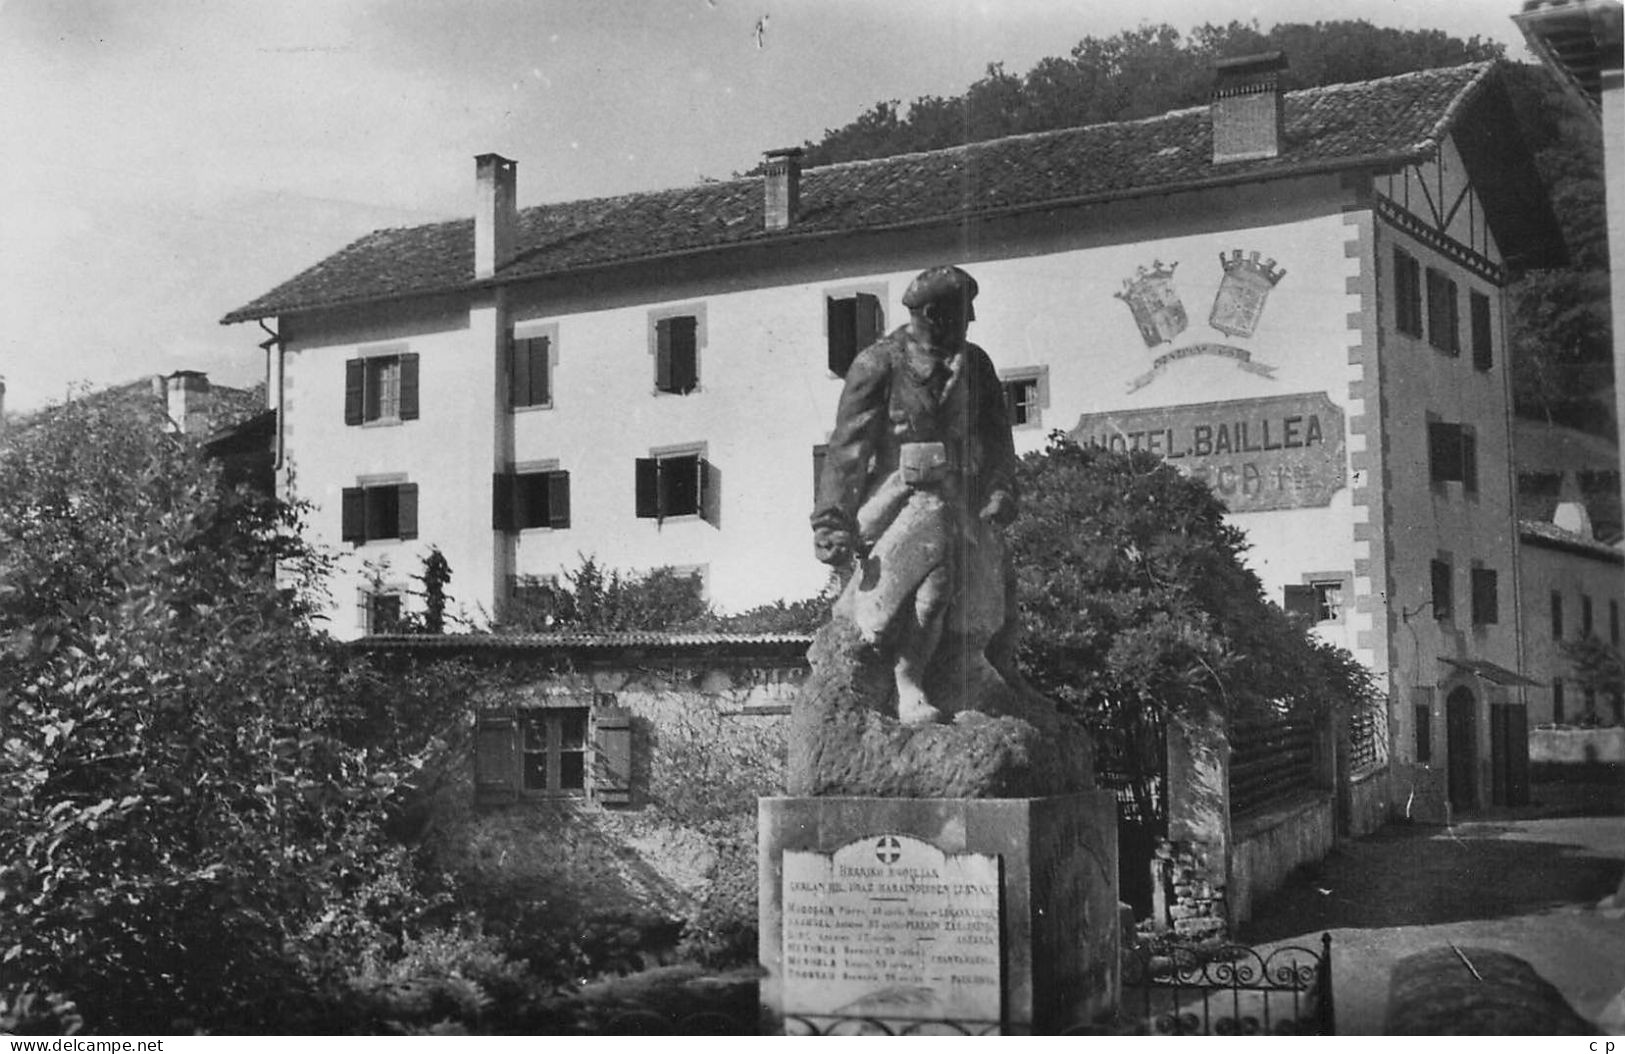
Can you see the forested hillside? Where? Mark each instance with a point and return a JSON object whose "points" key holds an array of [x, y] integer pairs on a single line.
{"points": [[1562, 358]]}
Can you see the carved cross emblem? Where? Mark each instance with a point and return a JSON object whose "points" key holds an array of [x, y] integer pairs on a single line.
{"points": [[887, 850]]}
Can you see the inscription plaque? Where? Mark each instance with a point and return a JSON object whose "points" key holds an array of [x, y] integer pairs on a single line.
{"points": [[889, 926]]}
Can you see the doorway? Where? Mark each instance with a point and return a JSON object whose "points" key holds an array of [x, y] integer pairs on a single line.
{"points": [[1461, 747], [1509, 754]]}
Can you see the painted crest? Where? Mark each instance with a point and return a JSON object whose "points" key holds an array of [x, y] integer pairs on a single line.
{"points": [[1157, 309], [1239, 303]]}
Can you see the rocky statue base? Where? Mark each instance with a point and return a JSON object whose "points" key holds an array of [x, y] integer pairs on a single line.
{"points": [[1003, 739], [931, 917]]}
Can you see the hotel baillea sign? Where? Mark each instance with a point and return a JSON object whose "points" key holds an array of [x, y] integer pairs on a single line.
{"points": [[1278, 452]]}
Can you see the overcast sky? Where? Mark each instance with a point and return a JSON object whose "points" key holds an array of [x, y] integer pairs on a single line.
{"points": [[163, 162]]}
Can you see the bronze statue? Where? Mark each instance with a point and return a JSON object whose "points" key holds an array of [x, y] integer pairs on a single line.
{"points": [[919, 475]]}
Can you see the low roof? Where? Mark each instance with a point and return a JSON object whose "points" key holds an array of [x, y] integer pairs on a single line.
{"points": [[1551, 536], [1376, 124], [604, 645]]}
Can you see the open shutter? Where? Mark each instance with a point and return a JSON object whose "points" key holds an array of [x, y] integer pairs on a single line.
{"points": [[354, 528], [541, 372], [871, 320], [407, 516], [518, 372], [409, 387], [1300, 600], [820, 455], [1444, 451], [843, 335], [496, 759], [355, 381], [1469, 460], [663, 379], [710, 492], [612, 756], [558, 500], [685, 358], [502, 503], [648, 487]]}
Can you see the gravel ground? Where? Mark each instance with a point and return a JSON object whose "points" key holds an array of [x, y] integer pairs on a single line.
{"points": [[1526, 881]]}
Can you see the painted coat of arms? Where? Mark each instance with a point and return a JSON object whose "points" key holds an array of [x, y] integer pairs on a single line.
{"points": [[1157, 309], [1245, 286], [1237, 308]]}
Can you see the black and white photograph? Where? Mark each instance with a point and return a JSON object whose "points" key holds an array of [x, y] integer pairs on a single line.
{"points": [[753, 518]]}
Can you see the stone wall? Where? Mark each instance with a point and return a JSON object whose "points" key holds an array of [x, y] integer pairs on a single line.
{"points": [[1368, 798], [1576, 746], [1269, 846]]}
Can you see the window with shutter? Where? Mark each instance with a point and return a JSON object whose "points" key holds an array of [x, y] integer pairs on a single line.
{"points": [[553, 750], [677, 364], [377, 512], [1440, 573], [1483, 336], [381, 389], [1557, 615], [1486, 601], [1444, 326], [1407, 294], [530, 379], [1444, 452], [853, 323], [820, 455], [1469, 460], [677, 484], [1422, 711], [1557, 701]]}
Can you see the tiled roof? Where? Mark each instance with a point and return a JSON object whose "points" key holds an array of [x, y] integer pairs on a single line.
{"points": [[228, 407], [1540, 532], [1376, 122], [537, 643]]}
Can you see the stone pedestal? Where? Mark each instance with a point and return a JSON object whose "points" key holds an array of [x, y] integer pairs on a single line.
{"points": [[938, 915]]}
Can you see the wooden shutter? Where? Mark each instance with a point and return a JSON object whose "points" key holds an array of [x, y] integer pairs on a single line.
{"points": [[409, 388], [685, 358], [1444, 451], [1469, 460], [612, 755], [1422, 716], [355, 382], [663, 380], [558, 500], [842, 323], [1443, 589], [541, 372], [518, 372], [710, 503], [1300, 600], [407, 517], [1483, 335], [648, 488], [354, 528], [496, 759], [502, 502], [871, 320]]}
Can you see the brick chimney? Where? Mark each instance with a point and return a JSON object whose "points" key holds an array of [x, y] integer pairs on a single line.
{"points": [[188, 401], [496, 214], [1247, 108], [782, 186]]}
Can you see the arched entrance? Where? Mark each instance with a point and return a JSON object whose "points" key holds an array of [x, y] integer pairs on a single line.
{"points": [[1461, 746]]}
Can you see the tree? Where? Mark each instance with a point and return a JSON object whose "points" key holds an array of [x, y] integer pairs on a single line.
{"points": [[1136, 609], [181, 815]]}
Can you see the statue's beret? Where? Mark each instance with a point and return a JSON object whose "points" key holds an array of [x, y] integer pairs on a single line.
{"points": [[936, 284]]}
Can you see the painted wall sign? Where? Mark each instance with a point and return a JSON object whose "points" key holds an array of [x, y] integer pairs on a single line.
{"points": [[890, 927], [1276, 452], [1159, 312]]}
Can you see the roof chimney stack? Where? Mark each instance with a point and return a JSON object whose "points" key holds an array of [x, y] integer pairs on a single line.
{"points": [[496, 214], [187, 401], [1247, 108], [782, 185]]}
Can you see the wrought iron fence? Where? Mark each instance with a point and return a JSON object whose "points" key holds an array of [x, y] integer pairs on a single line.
{"points": [[1230, 991]]}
